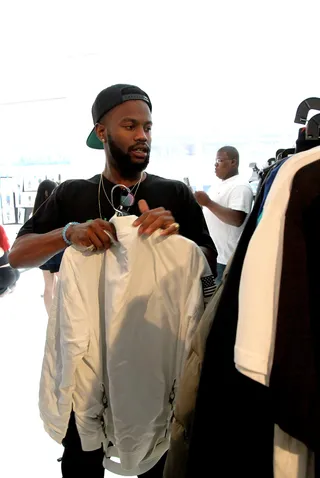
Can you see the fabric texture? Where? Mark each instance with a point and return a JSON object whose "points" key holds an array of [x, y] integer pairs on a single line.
{"points": [[117, 341], [236, 194]]}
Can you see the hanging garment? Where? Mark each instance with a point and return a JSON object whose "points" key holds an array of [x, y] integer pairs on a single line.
{"points": [[259, 288], [232, 429], [255, 343], [187, 394], [295, 378], [118, 336]]}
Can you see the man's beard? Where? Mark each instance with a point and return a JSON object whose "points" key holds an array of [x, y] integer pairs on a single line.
{"points": [[123, 163]]}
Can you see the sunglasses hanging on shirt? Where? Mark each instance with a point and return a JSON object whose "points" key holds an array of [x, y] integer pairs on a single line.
{"points": [[127, 197]]}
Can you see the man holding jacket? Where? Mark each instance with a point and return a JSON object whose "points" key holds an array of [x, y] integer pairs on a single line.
{"points": [[79, 210]]}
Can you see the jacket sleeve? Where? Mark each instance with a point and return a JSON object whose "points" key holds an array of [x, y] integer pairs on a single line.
{"points": [[82, 344], [74, 329], [66, 345]]}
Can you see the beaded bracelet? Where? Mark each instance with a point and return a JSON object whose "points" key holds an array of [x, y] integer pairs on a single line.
{"points": [[64, 232]]}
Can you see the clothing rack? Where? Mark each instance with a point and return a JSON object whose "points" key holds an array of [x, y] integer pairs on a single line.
{"points": [[255, 408]]}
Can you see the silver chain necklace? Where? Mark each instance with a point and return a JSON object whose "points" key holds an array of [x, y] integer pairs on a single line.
{"points": [[120, 211]]}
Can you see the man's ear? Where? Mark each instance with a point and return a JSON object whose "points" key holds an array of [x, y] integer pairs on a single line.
{"points": [[101, 132]]}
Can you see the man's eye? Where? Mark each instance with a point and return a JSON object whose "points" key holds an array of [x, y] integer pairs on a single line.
{"points": [[148, 128], [129, 127]]}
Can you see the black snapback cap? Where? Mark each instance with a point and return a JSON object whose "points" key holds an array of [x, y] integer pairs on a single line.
{"points": [[107, 100]]}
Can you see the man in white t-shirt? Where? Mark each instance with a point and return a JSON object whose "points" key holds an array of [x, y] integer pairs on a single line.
{"points": [[226, 206]]}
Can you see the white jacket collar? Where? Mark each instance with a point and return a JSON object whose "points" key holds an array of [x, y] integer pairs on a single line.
{"points": [[124, 226]]}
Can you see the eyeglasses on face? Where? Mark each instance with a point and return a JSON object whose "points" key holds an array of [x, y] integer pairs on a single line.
{"points": [[222, 160]]}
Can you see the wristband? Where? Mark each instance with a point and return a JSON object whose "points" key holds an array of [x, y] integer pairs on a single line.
{"points": [[64, 232]]}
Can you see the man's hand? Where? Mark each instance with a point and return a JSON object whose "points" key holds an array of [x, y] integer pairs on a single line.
{"points": [[202, 198], [154, 219], [92, 233]]}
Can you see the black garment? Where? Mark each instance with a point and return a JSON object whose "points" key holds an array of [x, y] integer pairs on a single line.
{"points": [[76, 462], [295, 376], [80, 464], [233, 430], [303, 143], [8, 276], [77, 200], [53, 264]]}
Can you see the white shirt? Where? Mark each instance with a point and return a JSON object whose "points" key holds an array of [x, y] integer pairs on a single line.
{"points": [[123, 322], [236, 194]]}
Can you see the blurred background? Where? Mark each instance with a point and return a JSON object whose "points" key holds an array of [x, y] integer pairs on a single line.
{"points": [[217, 72]]}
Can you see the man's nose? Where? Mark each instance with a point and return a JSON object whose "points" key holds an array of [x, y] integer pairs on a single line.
{"points": [[141, 135]]}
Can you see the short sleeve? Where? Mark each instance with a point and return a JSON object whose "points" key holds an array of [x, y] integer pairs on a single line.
{"points": [[48, 217], [241, 198]]}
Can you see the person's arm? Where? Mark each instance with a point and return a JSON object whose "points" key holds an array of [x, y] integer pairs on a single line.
{"points": [[226, 214], [41, 237], [240, 203], [33, 250]]}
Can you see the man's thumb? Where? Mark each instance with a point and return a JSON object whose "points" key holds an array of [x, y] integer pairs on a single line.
{"points": [[143, 206]]}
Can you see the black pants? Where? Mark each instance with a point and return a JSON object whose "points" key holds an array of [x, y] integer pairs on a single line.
{"points": [[77, 463], [8, 278]]}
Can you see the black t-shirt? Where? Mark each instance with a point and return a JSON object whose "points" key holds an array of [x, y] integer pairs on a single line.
{"points": [[77, 201]]}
